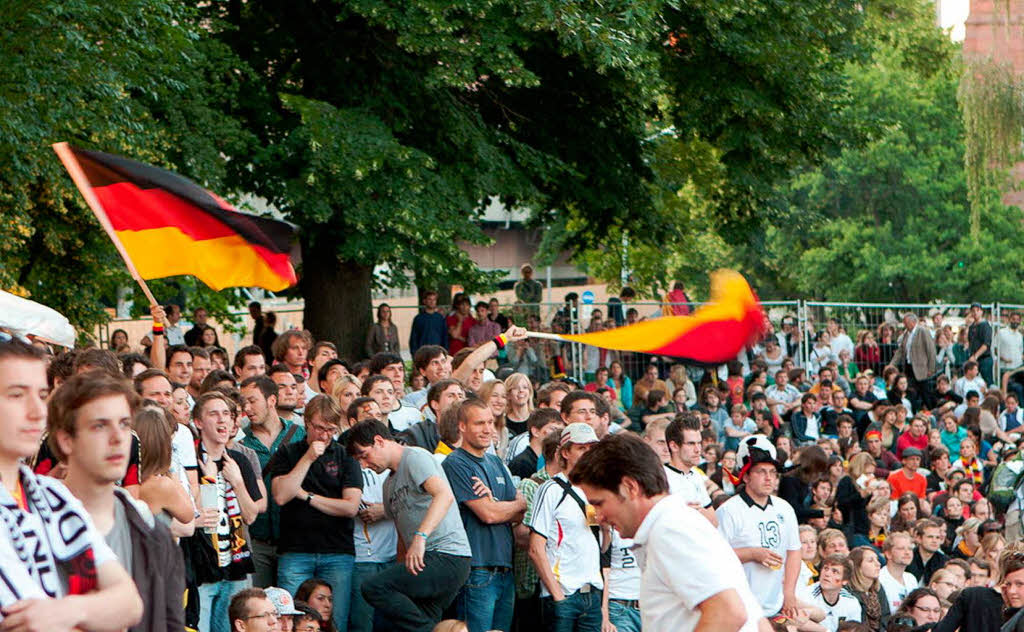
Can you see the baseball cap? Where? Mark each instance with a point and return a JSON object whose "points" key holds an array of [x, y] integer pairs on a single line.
{"points": [[282, 601], [976, 304], [912, 452], [578, 432]]}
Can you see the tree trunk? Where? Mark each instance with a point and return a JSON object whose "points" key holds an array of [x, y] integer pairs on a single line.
{"points": [[337, 295]]}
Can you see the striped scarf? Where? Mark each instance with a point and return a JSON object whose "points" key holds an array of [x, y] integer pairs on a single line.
{"points": [[973, 469], [51, 538]]}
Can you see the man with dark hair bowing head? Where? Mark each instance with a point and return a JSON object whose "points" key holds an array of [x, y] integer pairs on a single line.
{"points": [[691, 580]]}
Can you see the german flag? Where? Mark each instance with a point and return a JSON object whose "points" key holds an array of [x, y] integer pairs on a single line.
{"points": [[167, 225], [714, 334]]}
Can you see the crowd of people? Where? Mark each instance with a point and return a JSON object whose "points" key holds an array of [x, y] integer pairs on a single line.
{"points": [[166, 488]]}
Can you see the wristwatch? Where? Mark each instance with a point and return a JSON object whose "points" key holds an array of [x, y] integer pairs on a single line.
{"points": [[309, 498]]}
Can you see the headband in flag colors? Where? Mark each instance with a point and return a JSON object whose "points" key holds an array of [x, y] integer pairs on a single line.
{"points": [[716, 333], [169, 226]]}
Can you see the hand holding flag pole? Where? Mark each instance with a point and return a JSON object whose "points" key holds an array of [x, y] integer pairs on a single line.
{"points": [[715, 333]]}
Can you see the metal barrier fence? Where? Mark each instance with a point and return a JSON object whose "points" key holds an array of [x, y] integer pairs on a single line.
{"points": [[797, 324]]}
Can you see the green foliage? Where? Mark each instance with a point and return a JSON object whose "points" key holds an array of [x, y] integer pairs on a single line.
{"points": [[888, 220], [124, 76], [992, 103]]}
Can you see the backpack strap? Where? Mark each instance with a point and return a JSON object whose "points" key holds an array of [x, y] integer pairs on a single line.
{"points": [[292, 429], [568, 491]]}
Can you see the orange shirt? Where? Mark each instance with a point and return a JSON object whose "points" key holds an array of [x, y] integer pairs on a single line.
{"points": [[900, 484]]}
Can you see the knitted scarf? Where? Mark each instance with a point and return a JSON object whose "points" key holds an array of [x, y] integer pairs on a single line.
{"points": [[54, 533]]}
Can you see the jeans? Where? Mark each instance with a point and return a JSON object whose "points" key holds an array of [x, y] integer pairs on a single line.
{"points": [[415, 602], [333, 568], [361, 614], [623, 617], [264, 556], [579, 612], [486, 601], [213, 604]]}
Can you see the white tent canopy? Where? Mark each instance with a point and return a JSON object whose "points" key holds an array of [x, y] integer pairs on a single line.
{"points": [[23, 317]]}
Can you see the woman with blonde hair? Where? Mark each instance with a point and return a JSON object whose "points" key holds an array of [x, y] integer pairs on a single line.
{"points": [[990, 547], [346, 389], [944, 583], [164, 493], [519, 391], [678, 378], [967, 542], [808, 555], [492, 393], [864, 585]]}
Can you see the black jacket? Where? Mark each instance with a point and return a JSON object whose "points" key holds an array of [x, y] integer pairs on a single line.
{"points": [[158, 570]]}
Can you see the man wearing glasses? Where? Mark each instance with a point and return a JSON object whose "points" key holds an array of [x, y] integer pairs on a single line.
{"points": [[251, 611], [319, 489], [762, 529]]}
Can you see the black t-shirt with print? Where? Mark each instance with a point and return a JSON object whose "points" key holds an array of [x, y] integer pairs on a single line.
{"points": [[305, 529]]}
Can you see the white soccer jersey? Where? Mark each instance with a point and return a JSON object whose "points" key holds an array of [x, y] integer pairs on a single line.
{"points": [[684, 562], [896, 592], [516, 445], [846, 607], [624, 573], [404, 417], [690, 486], [572, 549], [743, 523]]}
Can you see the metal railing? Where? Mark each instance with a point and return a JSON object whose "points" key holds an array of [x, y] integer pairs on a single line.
{"points": [[796, 322]]}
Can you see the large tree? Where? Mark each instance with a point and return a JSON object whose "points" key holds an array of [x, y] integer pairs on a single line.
{"points": [[384, 127]]}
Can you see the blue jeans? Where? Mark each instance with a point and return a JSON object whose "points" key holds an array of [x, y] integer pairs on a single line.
{"points": [[487, 599], [361, 614], [623, 617], [213, 604], [579, 612], [333, 568]]}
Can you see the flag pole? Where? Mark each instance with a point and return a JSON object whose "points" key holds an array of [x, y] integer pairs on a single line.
{"points": [[82, 182], [544, 335]]}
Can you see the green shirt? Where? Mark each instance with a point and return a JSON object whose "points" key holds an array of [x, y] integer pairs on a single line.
{"points": [[268, 524], [526, 574]]}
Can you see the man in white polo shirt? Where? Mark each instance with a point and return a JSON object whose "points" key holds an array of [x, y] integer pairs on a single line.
{"points": [[690, 577], [683, 439], [563, 547], [762, 529]]}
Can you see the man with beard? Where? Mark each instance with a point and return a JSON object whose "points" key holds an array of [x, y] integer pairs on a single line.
{"points": [[264, 435], [287, 393]]}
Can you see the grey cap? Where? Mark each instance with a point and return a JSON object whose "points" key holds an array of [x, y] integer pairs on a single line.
{"points": [[912, 452]]}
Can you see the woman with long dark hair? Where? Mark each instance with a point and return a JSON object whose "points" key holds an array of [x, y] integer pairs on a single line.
{"points": [[320, 597], [809, 464]]}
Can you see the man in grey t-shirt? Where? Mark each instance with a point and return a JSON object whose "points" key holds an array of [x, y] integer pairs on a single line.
{"points": [[433, 551]]}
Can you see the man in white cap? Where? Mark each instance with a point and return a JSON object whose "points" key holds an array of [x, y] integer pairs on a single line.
{"points": [[762, 529], [563, 547], [285, 606]]}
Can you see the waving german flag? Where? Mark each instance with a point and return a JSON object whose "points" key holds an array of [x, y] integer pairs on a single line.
{"points": [[714, 334], [166, 225]]}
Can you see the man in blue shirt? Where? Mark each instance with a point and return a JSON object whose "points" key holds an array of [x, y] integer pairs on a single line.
{"points": [[428, 327], [489, 505]]}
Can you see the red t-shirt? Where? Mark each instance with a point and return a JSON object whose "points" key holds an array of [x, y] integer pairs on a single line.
{"points": [[454, 344], [735, 384], [907, 440], [900, 484]]}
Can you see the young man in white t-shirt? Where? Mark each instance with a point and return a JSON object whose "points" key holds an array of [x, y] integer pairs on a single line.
{"points": [[563, 548], [762, 529], [830, 595], [894, 578], [689, 576], [683, 439], [621, 603]]}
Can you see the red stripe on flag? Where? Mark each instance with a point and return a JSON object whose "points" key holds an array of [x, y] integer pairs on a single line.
{"points": [[132, 208]]}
